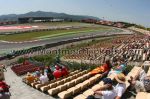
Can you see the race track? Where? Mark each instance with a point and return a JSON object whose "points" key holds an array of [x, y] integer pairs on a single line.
{"points": [[9, 46]]}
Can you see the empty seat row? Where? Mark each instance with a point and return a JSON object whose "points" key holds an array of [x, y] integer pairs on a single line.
{"points": [[68, 84], [79, 87]]}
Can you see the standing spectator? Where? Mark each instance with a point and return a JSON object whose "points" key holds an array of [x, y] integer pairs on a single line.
{"points": [[3, 66]]}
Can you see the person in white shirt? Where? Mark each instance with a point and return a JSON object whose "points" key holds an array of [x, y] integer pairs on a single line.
{"points": [[121, 86], [107, 92], [43, 78], [141, 82]]}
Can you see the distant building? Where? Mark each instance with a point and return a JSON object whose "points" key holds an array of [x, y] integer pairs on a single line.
{"points": [[34, 19], [39, 19]]}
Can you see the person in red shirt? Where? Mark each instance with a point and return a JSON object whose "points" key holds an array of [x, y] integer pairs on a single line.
{"points": [[57, 67], [57, 73], [64, 71]]}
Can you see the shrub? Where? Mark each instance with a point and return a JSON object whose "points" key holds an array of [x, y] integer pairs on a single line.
{"points": [[21, 60], [46, 59], [77, 66]]}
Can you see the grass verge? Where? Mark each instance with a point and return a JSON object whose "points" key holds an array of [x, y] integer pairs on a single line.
{"points": [[52, 33]]}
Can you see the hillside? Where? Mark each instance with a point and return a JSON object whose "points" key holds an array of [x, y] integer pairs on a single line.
{"points": [[14, 17]]}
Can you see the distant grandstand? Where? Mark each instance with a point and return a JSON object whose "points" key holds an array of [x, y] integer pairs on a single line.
{"points": [[38, 19]]}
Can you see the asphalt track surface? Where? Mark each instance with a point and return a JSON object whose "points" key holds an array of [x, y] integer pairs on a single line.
{"points": [[8, 46]]}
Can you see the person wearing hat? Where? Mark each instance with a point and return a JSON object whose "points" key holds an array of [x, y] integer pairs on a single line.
{"points": [[121, 86], [107, 91]]}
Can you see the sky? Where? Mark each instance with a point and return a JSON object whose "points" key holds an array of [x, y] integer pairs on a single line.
{"points": [[134, 11]]}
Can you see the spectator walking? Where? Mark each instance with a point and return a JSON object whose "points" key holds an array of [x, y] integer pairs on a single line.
{"points": [[4, 90]]}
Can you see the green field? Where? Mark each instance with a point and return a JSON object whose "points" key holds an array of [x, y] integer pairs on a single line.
{"points": [[54, 33]]}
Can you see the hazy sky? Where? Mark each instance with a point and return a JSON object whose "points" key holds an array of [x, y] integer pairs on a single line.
{"points": [[137, 11]]}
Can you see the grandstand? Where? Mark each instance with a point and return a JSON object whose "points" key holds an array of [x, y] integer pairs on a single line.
{"points": [[79, 84]]}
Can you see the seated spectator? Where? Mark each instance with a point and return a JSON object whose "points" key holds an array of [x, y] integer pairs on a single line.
{"points": [[49, 73], [64, 71], [105, 92], [119, 69], [43, 78], [30, 78], [141, 82], [121, 86], [114, 60], [104, 69], [37, 73], [57, 73], [57, 67], [4, 90]]}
